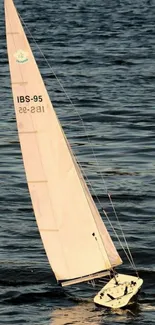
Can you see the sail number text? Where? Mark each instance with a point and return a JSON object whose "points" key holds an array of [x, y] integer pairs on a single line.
{"points": [[32, 109], [28, 99]]}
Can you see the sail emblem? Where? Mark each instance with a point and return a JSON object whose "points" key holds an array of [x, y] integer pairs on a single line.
{"points": [[21, 56]]}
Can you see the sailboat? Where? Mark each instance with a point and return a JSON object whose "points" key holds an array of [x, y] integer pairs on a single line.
{"points": [[77, 243]]}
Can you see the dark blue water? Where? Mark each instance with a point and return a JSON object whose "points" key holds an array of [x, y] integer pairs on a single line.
{"points": [[103, 52]]}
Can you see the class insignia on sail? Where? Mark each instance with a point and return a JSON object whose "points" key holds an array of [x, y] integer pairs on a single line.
{"points": [[21, 56]]}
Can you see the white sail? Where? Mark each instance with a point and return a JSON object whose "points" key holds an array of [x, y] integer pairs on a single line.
{"points": [[75, 239]]}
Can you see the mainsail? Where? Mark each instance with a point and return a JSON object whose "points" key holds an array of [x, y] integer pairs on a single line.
{"points": [[74, 236]]}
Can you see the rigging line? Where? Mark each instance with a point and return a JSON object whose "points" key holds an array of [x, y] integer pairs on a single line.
{"points": [[84, 187], [125, 241], [130, 260], [128, 257], [72, 104]]}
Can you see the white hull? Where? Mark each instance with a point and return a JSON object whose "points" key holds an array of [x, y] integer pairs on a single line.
{"points": [[120, 294]]}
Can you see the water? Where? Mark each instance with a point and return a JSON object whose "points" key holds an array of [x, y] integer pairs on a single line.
{"points": [[103, 52]]}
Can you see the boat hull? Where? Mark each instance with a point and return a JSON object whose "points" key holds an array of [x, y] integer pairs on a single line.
{"points": [[119, 292]]}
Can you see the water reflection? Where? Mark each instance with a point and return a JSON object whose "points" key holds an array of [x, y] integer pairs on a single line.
{"points": [[79, 314], [88, 313]]}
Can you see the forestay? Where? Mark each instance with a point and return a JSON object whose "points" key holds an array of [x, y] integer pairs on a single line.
{"points": [[74, 237]]}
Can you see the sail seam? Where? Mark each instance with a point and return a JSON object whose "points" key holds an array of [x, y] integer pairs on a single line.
{"points": [[27, 132], [19, 83], [12, 33]]}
